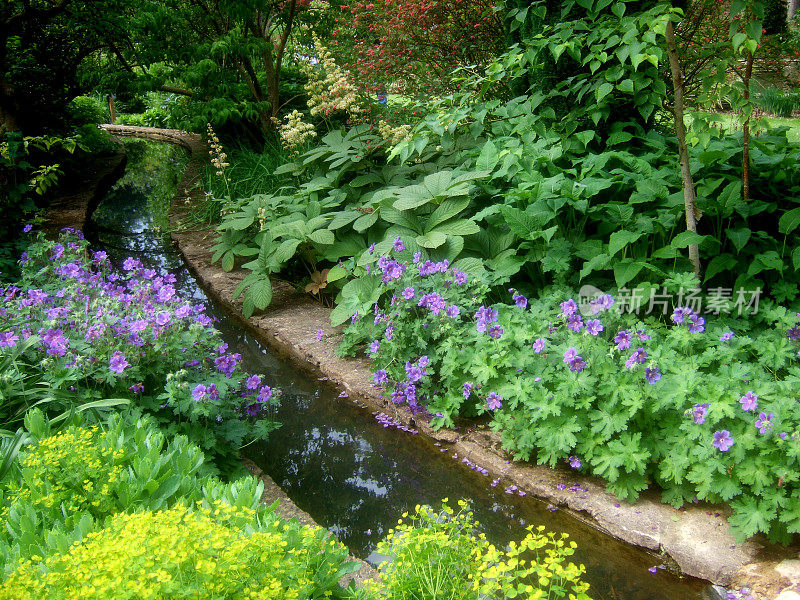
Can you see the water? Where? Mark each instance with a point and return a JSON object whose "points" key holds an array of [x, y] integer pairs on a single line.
{"points": [[356, 477]]}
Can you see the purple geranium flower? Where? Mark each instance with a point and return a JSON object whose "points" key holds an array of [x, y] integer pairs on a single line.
{"points": [[520, 300], [699, 412], [575, 462], [594, 327], [380, 377], [485, 316], [577, 364], [639, 356], [749, 402], [568, 308], [494, 401], [574, 322], [764, 422], [453, 311], [199, 392], [117, 363], [467, 389], [8, 339], [623, 340], [726, 336], [320, 334], [374, 346], [538, 345], [723, 440], [253, 382], [27, 228], [408, 293], [652, 375], [460, 277], [495, 331], [398, 245]]}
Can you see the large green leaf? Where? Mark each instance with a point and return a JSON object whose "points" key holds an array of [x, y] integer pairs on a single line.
{"points": [[620, 239], [738, 237], [446, 210], [488, 158], [626, 270], [366, 221], [457, 227], [789, 221], [687, 238], [322, 236], [342, 218], [433, 239], [520, 222], [286, 250]]}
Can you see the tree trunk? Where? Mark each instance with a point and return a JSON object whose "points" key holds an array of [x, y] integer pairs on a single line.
{"points": [[687, 182], [746, 130]]}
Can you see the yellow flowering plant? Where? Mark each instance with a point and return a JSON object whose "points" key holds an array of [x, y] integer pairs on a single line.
{"points": [[441, 555]]}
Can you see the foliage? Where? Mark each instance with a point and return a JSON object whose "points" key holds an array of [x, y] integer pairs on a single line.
{"points": [[412, 47], [121, 500], [82, 333], [777, 102], [624, 394], [439, 555]]}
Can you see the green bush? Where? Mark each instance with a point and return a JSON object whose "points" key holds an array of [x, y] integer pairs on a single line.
{"points": [[439, 555], [88, 110], [703, 406], [777, 102], [83, 333], [115, 512]]}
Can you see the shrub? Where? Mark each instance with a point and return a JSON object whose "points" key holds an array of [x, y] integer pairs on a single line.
{"points": [[92, 495], [88, 333], [619, 396], [778, 102], [439, 555]]}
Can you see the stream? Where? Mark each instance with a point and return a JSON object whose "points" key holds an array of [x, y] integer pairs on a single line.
{"points": [[355, 476]]}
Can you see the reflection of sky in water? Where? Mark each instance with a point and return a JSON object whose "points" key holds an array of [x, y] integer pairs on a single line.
{"points": [[356, 477]]}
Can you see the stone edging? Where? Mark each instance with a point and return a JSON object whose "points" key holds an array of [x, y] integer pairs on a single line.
{"points": [[696, 539]]}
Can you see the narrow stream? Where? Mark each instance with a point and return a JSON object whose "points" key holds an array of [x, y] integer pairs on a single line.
{"points": [[355, 476]]}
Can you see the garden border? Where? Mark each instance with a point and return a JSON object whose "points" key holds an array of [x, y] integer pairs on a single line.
{"points": [[696, 539]]}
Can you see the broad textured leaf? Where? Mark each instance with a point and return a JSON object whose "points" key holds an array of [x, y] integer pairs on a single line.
{"points": [[286, 250], [488, 158], [364, 222], [446, 210], [434, 239], [336, 273], [687, 238], [322, 236], [457, 227]]}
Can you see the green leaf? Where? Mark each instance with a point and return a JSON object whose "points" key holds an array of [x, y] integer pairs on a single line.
{"points": [[687, 238], [620, 239], [446, 210], [365, 221], [322, 236], [239, 223], [789, 221], [520, 222], [603, 90], [625, 271], [286, 250], [457, 227], [599, 261], [228, 260], [260, 293], [432, 239], [488, 158], [342, 218], [738, 237], [336, 273], [719, 264], [796, 258]]}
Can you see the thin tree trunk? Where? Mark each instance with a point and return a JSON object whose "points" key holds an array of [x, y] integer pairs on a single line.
{"points": [[746, 130], [692, 214]]}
